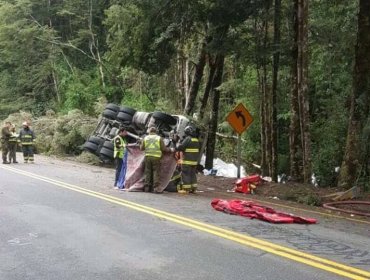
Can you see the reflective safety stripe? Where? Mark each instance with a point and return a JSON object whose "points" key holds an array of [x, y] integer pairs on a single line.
{"points": [[27, 137], [192, 150], [175, 177], [119, 152], [188, 162], [186, 187], [191, 153], [152, 146]]}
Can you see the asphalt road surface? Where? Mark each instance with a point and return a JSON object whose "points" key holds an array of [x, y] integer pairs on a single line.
{"points": [[63, 220]]}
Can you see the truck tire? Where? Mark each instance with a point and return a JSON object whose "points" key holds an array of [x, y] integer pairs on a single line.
{"points": [[106, 153], [127, 110], [96, 140], [124, 117], [108, 145], [166, 118], [112, 107], [109, 114], [90, 147]]}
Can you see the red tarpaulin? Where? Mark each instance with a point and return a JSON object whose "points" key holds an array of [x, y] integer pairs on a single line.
{"points": [[255, 211]]}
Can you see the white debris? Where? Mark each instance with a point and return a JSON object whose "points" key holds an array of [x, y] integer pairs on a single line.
{"points": [[221, 168]]}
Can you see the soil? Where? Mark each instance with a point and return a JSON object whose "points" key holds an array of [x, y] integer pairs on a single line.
{"points": [[290, 191]]}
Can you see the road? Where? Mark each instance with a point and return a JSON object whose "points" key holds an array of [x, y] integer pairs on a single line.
{"points": [[63, 220]]}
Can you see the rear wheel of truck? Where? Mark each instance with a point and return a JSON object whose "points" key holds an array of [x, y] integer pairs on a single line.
{"points": [[90, 147], [109, 114], [166, 118]]}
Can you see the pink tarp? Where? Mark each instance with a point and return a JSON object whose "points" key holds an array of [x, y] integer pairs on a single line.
{"points": [[135, 169], [255, 211]]}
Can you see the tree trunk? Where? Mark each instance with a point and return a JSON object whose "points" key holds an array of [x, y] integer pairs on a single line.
{"points": [[357, 140], [276, 60], [197, 78], [211, 75], [294, 128], [302, 80], [211, 142], [266, 98], [181, 81]]}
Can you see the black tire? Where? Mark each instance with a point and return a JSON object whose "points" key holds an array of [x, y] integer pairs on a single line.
{"points": [[128, 110], [90, 147], [109, 114], [96, 140], [106, 153], [166, 118], [124, 117], [108, 145], [112, 107]]}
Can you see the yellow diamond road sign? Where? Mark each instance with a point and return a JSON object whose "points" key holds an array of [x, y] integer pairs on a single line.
{"points": [[239, 118]]}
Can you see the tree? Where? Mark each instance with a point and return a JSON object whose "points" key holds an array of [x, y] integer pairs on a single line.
{"points": [[356, 154], [300, 118]]}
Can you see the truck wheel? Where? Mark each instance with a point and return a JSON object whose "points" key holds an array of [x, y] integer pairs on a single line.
{"points": [[90, 147], [112, 107], [106, 153], [96, 140], [109, 114], [166, 118], [124, 117], [127, 110], [108, 145]]}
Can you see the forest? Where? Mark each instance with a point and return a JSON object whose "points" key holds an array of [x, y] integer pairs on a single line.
{"points": [[300, 67]]}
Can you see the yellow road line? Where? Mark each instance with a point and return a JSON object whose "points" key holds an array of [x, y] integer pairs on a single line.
{"points": [[298, 256]]}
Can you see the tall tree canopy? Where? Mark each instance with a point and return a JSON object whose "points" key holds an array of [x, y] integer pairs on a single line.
{"points": [[289, 63]]}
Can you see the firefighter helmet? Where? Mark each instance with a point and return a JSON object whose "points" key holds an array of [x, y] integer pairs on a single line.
{"points": [[189, 130]]}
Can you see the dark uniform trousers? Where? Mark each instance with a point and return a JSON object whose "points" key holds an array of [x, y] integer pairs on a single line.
{"points": [[5, 149], [152, 165], [13, 150]]}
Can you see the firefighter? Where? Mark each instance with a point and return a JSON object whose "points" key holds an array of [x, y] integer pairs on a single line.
{"points": [[27, 139], [5, 136], [13, 145], [189, 147], [118, 154], [153, 145]]}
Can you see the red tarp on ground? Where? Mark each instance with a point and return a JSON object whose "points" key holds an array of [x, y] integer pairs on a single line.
{"points": [[255, 211]]}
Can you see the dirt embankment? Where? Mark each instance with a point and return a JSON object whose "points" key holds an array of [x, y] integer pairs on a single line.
{"points": [[291, 191]]}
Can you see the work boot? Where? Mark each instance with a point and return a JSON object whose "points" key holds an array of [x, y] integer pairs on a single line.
{"points": [[6, 162]]}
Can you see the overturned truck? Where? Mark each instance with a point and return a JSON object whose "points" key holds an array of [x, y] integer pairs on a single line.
{"points": [[137, 123]]}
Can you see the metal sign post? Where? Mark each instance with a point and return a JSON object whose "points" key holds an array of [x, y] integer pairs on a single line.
{"points": [[239, 154], [239, 119]]}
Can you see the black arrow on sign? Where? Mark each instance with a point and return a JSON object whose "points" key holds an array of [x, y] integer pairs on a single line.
{"points": [[239, 114]]}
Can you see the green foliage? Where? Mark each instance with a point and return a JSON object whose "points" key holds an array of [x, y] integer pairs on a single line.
{"points": [[80, 92], [77, 54], [59, 135], [310, 199], [332, 55]]}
